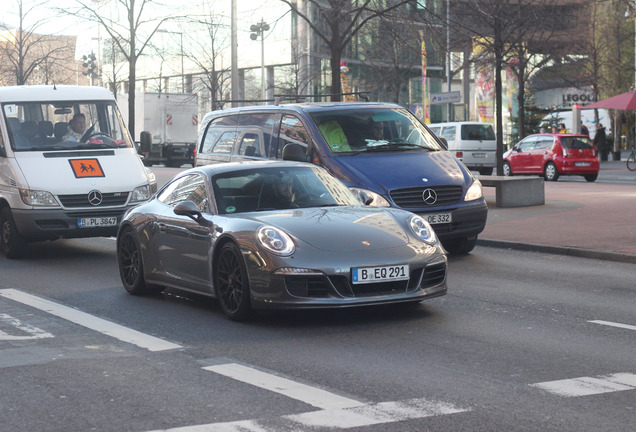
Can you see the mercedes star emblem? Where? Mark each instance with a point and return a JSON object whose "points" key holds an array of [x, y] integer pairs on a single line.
{"points": [[95, 197], [429, 196]]}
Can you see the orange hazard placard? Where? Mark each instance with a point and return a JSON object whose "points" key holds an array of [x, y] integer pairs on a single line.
{"points": [[86, 168]]}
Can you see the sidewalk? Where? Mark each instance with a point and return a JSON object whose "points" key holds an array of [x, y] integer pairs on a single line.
{"points": [[579, 218]]}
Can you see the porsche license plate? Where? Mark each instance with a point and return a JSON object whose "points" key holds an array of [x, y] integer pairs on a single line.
{"points": [[96, 222], [379, 274], [438, 218]]}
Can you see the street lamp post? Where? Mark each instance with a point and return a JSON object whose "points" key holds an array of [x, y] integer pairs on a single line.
{"points": [[181, 45], [260, 29]]}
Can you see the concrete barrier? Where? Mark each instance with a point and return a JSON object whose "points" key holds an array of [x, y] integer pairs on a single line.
{"points": [[516, 191]]}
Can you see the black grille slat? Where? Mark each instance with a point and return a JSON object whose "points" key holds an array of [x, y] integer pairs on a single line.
{"points": [[81, 200], [412, 197], [434, 275]]}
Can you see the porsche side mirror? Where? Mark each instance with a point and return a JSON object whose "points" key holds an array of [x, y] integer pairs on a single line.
{"points": [[365, 198], [189, 209]]}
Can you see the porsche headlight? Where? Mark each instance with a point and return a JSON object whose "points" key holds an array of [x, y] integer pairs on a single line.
{"points": [[422, 229], [275, 241], [38, 198], [141, 193], [474, 192], [378, 200]]}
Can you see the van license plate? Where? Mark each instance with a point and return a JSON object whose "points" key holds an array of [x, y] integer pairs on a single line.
{"points": [[479, 155], [379, 274], [96, 222], [438, 218]]}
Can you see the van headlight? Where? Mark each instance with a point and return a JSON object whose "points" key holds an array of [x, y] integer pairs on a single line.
{"points": [[378, 200], [141, 193], [474, 192], [422, 229], [38, 198]]}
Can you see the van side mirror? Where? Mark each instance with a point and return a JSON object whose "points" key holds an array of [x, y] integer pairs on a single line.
{"points": [[146, 141], [444, 142], [295, 152]]}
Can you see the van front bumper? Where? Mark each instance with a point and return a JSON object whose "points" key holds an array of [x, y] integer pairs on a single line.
{"points": [[467, 221], [51, 224]]}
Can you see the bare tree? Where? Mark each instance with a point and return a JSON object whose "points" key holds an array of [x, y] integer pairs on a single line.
{"points": [[27, 56], [131, 37], [208, 57], [392, 48], [499, 29], [336, 22]]}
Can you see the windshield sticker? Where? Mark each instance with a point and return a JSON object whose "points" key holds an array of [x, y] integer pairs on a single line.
{"points": [[86, 168], [10, 110]]}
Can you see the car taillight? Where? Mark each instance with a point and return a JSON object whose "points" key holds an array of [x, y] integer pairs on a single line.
{"points": [[459, 154]]}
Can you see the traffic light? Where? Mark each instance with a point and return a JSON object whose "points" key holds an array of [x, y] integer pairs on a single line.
{"points": [[88, 61]]}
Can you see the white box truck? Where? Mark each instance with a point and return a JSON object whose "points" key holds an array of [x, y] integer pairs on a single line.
{"points": [[68, 166], [169, 121]]}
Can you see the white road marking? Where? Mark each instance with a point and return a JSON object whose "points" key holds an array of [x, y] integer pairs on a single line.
{"points": [[344, 418], [34, 332], [304, 393], [613, 324], [585, 386], [108, 328]]}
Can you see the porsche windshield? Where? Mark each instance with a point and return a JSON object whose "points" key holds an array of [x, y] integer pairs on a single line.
{"points": [[41, 126], [264, 189], [357, 131]]}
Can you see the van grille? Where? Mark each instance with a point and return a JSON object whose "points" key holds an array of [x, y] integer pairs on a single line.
{"points": [[412, 197], [81, 200]]}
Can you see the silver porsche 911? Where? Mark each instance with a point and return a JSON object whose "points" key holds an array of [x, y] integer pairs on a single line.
{"points": [[269, 234]]}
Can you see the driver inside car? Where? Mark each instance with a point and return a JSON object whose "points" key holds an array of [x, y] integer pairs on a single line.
{"points": [[78, 126]]}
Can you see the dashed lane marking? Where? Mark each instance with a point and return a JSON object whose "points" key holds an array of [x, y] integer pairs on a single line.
{"points": [[344, 418], [337, 412], [310, 395], [31, 331], [585, 386], [613, 324], [108, 328]]}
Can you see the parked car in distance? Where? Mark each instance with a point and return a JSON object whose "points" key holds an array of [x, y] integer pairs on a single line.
{"points": [[553, 155], [272, 234], [473, 143], [379, 149]]}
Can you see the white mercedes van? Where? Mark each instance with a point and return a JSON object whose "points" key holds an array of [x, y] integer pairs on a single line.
{"points": [[473, 143], [68, 166]]}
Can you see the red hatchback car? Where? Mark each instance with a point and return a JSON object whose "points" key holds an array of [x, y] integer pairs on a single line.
{"points": [[553, 155]]}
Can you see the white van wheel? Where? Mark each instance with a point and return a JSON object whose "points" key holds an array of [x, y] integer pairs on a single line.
{"points": [[12, 244]]}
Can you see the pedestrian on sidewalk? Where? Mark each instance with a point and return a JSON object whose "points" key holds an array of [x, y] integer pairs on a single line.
{"points": [[584, 130], [600, 142]]}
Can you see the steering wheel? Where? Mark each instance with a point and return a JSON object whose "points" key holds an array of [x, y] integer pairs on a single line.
{"points": [[97, 134], [88, 133]]}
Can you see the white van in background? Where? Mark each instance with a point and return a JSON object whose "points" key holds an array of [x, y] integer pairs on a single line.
{"points": [[57, 180], [473, 143]]}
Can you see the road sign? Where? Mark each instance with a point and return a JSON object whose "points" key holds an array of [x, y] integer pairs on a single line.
{"points": [[448, 97]]}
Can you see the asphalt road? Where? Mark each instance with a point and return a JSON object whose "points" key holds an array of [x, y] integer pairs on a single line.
{"points": [[523, 341]]}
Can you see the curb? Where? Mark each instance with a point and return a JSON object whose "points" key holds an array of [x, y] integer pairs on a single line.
{"points": [[560, 250]]}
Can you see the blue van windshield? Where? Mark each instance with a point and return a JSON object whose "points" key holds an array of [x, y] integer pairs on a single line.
{"points": [[363, 130]]}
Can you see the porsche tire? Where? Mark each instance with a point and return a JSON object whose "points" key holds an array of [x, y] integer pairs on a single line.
{"points": [[131, 267], [231, 283]]}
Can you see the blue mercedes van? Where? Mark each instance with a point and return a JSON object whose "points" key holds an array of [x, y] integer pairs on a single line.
{"points": [[380, 150]]}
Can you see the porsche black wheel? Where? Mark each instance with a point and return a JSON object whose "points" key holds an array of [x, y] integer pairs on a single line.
{"points": [[12, 244], [231, 283], [131, 268]]}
